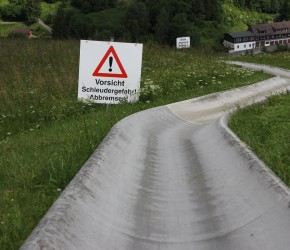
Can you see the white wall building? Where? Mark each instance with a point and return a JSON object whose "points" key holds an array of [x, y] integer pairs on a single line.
{"points": [[258, 36]]}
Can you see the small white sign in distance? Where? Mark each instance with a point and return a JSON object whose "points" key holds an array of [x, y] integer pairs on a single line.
{"points": [[182, 42], [109, 72]]}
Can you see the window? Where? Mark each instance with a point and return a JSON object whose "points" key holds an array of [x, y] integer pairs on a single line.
{"points": [[245, 46], [250, 45]]}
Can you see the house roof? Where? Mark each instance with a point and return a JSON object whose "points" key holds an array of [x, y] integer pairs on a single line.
{"points": [[241, 34], [269, 28]]}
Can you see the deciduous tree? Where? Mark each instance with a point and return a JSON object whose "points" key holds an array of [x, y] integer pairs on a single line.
{"points": [[32, 9]]}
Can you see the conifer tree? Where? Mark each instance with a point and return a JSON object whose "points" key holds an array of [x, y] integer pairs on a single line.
{"points": [[285, 11]]}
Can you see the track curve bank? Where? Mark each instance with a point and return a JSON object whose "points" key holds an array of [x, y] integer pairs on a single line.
{"points": [[173, 178]]}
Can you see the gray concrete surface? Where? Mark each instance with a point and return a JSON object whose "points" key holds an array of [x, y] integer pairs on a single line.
{"points": [[173, 178], [40, 22]]}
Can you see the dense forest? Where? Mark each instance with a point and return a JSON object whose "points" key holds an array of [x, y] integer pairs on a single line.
{"points": [[142, 20]]}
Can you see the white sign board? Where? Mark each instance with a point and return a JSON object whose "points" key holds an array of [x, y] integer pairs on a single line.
{"points": [[182, 42], [109, 72]]}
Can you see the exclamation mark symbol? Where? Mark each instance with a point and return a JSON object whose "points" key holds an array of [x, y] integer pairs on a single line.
{"points": [[110, 63]]}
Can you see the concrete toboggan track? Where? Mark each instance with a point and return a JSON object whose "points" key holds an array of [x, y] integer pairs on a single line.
{"points": [[174, 178]]}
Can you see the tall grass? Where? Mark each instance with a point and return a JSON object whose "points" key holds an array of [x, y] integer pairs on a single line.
{"points": [[46, 134]]}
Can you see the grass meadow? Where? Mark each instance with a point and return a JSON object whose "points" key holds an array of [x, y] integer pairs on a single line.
{"points": [[265, 128], [46, 134], [277, 59]]}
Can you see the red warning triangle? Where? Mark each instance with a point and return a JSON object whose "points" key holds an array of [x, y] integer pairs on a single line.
{"points": [[123, 73]]}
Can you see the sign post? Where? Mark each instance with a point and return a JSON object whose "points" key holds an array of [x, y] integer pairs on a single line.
{"points": [[109, 72], [182, 42]]}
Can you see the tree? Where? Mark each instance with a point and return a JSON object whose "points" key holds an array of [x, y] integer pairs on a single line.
{"points": [[213, 10], [162, 26], [60, 27], [275, 6], [138, 20], [12, 12], [50, 1], [17, 2], [179, 27], [32, 9], [198, 9], [93, 5], [285, 11]]}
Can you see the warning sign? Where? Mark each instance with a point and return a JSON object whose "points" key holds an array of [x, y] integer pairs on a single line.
{"points": [[109, 72], [107, 64]]}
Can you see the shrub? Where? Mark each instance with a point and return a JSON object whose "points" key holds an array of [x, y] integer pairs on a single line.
{"points": [[12, 12], [281, 47], [17, 35]]}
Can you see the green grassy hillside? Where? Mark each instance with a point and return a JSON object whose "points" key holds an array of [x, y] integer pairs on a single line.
{"points": [[237, 19], [46, 134]]}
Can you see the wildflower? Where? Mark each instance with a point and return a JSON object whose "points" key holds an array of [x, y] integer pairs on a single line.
{"points": [[58, 189]]}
